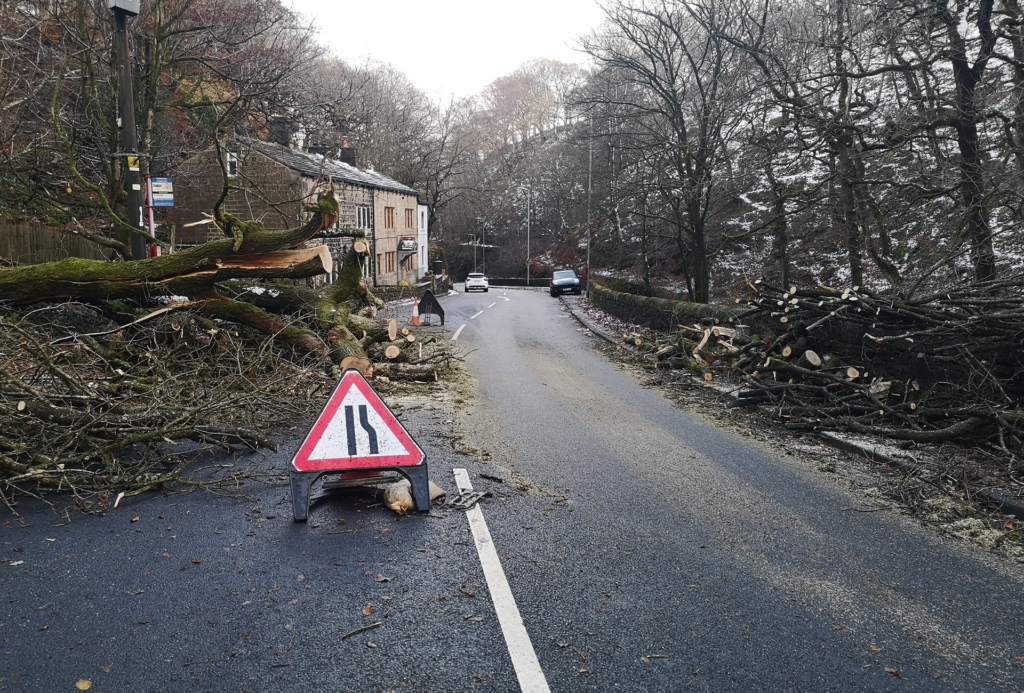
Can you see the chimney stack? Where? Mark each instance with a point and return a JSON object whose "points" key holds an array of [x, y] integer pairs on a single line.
{"points": [[282, 130], [347, 154]]}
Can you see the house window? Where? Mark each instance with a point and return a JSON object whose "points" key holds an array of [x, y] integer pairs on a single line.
{"points": [[380, 265], [389, 217], [410, 219], [362, 217], [232, 165], [390, 257]]}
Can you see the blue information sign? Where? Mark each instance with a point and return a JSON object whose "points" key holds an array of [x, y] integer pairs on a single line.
{"points": [[162, 190]]}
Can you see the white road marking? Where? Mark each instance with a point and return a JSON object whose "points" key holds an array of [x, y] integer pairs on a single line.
{"points": [[473, 316], [493, 304], [503, 298], [524, 659], [458, 332]]}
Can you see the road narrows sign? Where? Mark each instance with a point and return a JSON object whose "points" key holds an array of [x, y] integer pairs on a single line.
{"points": [[356, 430]]}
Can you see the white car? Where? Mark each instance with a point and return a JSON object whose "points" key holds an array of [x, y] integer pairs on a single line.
{"points": [[476, 281]]}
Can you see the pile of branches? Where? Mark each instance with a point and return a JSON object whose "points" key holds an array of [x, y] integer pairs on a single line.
{"points": [[938, 368], [94, 407]]}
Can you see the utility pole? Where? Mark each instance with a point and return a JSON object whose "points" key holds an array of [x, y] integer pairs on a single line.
{"points": [[131, 176]]}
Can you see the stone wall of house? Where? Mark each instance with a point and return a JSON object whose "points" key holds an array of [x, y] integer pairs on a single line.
{"points": [[198, 183], [387, 238]]}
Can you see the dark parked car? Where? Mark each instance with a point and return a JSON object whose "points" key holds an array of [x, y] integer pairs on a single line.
{"points": [[565, 281]]}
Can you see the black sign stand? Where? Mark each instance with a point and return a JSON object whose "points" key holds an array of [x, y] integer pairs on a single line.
{"points": [[302, 483], [430, 305]]}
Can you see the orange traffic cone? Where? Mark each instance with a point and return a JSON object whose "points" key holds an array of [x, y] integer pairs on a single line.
{"points": [[416, 312]]}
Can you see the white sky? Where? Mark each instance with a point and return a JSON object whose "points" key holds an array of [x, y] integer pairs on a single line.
{"points": [[453, 47]]}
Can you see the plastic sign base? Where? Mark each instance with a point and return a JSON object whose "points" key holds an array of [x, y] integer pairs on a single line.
{"points": [[356, 432], [302, 483]]}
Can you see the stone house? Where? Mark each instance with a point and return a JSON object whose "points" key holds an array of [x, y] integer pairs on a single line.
{"points": [[273, 182]]}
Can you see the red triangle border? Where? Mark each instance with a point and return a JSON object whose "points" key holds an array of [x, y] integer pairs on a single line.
{"points": [[353, 378]]}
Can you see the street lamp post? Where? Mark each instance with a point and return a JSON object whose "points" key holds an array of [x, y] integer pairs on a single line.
{"points": [[590, 190], [479, 225]]}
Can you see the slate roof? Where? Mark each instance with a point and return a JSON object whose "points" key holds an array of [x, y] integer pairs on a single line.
{"points": [[309, 165]]}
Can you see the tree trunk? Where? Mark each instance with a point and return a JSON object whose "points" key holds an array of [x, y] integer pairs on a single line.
{"points": [[779, 225], [972, 176]]}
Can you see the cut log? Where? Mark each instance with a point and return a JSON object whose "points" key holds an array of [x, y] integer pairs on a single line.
{"points": [[392, 330], [410, 338], [880, 388], [360, 247], [852, 373], [407, 371], [809, 360], [665, 352], [797, 347], [364, 366], [392, 352]]}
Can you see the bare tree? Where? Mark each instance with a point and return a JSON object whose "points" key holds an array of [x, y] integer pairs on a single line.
{"points": [[680, 92]]}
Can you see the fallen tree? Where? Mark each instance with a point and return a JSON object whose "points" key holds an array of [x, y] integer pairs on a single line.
{"points": [[113, 375]]}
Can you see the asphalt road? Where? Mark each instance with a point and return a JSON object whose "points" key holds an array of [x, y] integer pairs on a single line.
{"points": [[645, 550], [747, 570]]}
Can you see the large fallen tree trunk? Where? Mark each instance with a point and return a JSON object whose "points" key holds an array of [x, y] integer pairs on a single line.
{"points": [[251, 253]]}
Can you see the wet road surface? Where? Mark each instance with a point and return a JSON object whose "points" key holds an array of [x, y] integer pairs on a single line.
{"points": [[643, 549]]}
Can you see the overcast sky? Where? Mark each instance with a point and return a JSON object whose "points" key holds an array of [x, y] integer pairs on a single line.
{"points": [[453, 47]]}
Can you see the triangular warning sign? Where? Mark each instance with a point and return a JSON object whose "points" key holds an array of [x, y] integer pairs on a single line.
{"points": [[356, 430]]}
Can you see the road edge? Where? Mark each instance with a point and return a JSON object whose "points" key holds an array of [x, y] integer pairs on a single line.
{"points": [[1014, 506]]}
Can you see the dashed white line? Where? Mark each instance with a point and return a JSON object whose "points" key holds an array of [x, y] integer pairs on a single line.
{"points": [[473, 316], [458, 332], [524, 659], [493, 304]]}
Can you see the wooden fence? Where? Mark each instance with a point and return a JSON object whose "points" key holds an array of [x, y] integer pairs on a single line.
{"points": [[32, 244]]}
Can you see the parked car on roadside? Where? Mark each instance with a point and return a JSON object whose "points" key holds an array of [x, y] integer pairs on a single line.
{"points": [[564, 281], [476, 281]]}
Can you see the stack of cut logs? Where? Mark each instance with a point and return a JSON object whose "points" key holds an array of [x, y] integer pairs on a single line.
{"points": [[942, 367], [398, 359], [948, 366]]}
